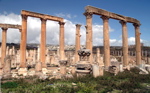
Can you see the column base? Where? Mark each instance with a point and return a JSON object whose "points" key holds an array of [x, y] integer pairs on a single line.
{"points": [[22, 71], [1, 72], [44, 70]]}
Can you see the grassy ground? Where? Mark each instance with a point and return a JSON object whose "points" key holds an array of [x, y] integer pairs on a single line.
{"points": [[125, 82]]}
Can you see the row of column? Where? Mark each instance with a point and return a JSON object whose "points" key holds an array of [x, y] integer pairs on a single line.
{"points": [[106, 42], [42, 44]]}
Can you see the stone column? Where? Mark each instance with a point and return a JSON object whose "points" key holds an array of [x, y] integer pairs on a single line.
{"points": [[3, 46], [89, 34], [124, 43], [23, 69], [77, 46], [0, 52], [106, 41], [23, 42], [43, 43], [61, 41], [138, 44]]}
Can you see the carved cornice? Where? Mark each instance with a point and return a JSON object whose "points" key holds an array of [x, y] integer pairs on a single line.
{"points": [[88, 14]]}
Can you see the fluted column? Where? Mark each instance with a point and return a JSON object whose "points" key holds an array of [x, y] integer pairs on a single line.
{"points": [[106, 41], [77, 46], [43, 43], [89, 34], [61, 41], [3, 46], [138, 44], [124, 43], [23, 42]]}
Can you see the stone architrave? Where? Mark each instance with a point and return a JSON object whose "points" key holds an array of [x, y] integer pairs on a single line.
{"points": [[61, 41], [43, 43], [138, 44], [89, 34], [106, 41], [3, 46], [124, 43], [77, 46]]}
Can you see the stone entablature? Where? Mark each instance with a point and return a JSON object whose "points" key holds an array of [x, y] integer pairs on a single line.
{"points": [[98, 11], [44, 16], [10, 26]]}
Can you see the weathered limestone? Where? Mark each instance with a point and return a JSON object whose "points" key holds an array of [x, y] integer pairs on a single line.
{"points": [[106, 41], [7, 66], [23, 69], [3, 50], [23, 42], [98, 58], [124, 43], [138, 44], [89, 34], [43, 43], [61, 41], [89, 11], [77, 46]]}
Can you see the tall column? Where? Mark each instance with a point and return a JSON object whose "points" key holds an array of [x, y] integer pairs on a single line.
{"points": [[43, 43], [77, 42], [3, 46], [89, 34], [138, 44], [124, 43], [61, 41], [23, 42], [106, 41]]}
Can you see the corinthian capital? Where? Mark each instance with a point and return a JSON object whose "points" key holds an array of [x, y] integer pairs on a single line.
{"points": [[24, 17], [88, 14], [105, 18]]}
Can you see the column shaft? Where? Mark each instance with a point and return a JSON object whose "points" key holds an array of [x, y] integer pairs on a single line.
{"points": [[124, 43], [138, 44], [106, 41], [23, 42], [3, 46], [43, 43], [77, 45], [89, 34], [61, 41]]}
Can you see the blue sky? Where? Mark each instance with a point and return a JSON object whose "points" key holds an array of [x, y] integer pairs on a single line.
{"points": [[72, 11]]}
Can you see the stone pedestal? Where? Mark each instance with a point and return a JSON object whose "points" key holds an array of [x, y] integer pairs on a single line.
{"points": [[22, 71], [38, 67], [44, 70], [95, 70], [7, 66], [63, 64]]}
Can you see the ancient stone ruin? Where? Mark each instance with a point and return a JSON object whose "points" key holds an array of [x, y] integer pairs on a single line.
{"points": [[19, 61]]}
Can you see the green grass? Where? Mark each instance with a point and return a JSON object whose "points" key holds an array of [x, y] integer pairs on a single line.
{"points": [[124, 82]]}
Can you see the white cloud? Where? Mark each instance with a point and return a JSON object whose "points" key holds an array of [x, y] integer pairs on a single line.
{"points": [[67, 16]]}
